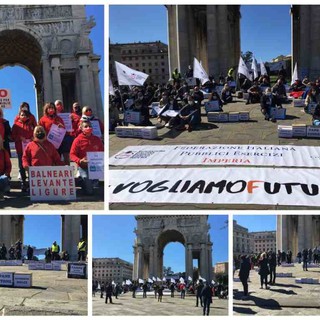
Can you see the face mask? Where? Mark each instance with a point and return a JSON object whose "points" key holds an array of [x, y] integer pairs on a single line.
{"points": [[190, 103], [87, 130], [40, 135], [88, 113], [23, 119], [51, 112]]}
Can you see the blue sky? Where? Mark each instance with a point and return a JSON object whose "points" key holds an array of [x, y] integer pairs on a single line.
{"points": [[41, 230], [257, 222], [113, 236], [265, 30], [21, 82]]}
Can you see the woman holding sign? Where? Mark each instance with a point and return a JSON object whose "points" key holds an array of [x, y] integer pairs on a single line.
{"points": [[22, 133], [83, 143], [50, 117], [40, 152]]}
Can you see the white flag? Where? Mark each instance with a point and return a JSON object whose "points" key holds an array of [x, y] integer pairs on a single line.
{"points": [[113, 283], [243, 69], [129, 77], [158, 279], [172, 280], [150, 280], [212, 282], [181, 280], [254, 67], [198, 71], [189, 278], [111, 89], [154, 279], [164, 279], [263, 68], [123, 283], [128, 282], [295, 74]]}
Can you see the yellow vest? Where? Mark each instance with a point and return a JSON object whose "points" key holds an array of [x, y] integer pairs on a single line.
{"points": [[55, 248], [80, 244]]}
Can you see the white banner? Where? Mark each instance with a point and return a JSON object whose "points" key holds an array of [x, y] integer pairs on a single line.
{"points": [[56, 135], [219, 155], [130, 77], [52, 183], [295, 187], [66, 117], [5, 98], [243, 69], [96, 165], [198, 71]]}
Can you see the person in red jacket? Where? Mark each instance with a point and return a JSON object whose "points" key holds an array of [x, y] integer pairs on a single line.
{"points": [[50, 117], [5, 170], [75, 117], [83, 143], [40, 152], [24, 106], [22, 133], [88, 115]]}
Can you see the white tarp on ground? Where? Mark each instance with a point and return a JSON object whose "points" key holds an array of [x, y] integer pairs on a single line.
{"points": [[213, 155], [216, 185]]}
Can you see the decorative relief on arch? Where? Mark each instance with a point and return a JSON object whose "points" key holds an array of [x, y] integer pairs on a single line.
{"points": [[66, 46]]}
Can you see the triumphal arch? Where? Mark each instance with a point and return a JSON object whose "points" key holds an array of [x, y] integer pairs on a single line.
{"points": [[298, 232], [155, 232], [52, 42], [211, 33], [72, 228]]}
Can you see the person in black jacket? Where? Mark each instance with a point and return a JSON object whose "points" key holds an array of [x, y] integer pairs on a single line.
{"points": [[206, 296], [109, 291], [272, 259], [264, 270], [244, 273]]}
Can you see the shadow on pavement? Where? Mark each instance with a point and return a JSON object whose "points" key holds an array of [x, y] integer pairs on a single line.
{"points": [[259, 302], [243, 310], [38, 288], [291, 292], [286, 285]]}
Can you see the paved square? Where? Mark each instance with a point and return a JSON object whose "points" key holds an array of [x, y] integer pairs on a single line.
{"points": [[125, 305], [284, 298], [52, 293]]}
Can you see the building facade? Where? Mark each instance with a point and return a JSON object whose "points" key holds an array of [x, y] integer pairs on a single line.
{"points": [[242, 240], [148, 57], [221, 268], [111, 269], [264, 241]]}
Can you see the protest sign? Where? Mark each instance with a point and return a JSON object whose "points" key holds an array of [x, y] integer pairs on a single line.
{"points": [[263, 186], [49, 183], [96, 128], [96, 165], [5, 98], [77, 270], [66, 117], [56, 135]]}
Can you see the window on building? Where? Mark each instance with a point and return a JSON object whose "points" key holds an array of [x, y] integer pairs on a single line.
{"points": [[162, 63], [130, 51], [123, 52], [162, 57], [150, 70], [130, 58], [142, 51], [143, 70], [136, 51], [124, 59], [156, 63], [137, 64], [143, 58], [150, 64], [163, 71], [136, 58], [143, 64], [156, 57]]}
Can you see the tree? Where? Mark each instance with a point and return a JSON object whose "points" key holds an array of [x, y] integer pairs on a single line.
{"points": [[247, 56], [167, 271]]}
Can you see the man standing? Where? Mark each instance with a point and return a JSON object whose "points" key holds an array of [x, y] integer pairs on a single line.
{"points": [[272, 266], [109, 290], [145, 288], [18, 249], [55, 249], [3, 251], [206, 297], [199, 288], [305, 259], [29, 252], [244, 273], [82, 248]]}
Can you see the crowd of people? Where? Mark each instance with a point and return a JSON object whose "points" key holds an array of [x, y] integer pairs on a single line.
{"points": [[34, 149], [14, 252], [184, 101], [202, 290], [267, 262]]}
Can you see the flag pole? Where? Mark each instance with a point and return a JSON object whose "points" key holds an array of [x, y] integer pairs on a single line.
{"points": [[122, 103]]}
